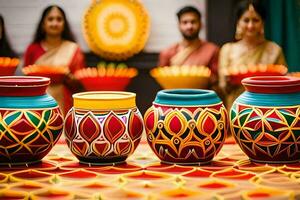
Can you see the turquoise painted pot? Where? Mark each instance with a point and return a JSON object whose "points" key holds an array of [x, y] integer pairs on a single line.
{"points": [[30, 120], [186, 126], [265, 119]]}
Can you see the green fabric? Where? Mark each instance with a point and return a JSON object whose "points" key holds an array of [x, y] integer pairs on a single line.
{"points": [[283, 27]]}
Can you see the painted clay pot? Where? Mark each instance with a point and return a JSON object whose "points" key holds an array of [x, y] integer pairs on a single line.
{"points": [[103, 127], [265, 119], [30, 120], [186, 126]]}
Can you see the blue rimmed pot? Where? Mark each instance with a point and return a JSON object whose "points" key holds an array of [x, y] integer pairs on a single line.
{"points": [[186, 126], [30, 120], [265, 119]]}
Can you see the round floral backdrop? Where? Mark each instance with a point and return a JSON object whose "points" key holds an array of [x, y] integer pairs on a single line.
{"points": [[116, 29]]}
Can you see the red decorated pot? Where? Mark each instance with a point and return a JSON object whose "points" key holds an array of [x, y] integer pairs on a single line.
{"points": [[30, 120], [265, 119], [186, 126], [103, 127]]}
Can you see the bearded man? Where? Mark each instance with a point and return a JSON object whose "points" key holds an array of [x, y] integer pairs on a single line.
{"points": [[191, 50]]}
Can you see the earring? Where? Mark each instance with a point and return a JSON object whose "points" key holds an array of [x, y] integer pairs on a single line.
{"points": [[238, 33], [262, 31]]}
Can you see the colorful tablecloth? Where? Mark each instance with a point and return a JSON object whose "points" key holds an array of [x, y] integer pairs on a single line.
{"points": [[229, 176]]}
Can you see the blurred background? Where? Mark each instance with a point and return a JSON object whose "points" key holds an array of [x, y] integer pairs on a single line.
{"points": [[282, 26]]}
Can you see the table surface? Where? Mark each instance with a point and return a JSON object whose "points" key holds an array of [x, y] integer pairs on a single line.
{"points": [[229, 176]]}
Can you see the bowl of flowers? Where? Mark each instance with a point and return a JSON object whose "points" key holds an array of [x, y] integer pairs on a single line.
{"points": [[106, 77], [173, 77], [294, 74], [55, 73], [8, 66], [236, 75]]}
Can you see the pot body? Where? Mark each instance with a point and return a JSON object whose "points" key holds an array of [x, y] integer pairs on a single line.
{"points": [[30, 121], [186, 126], [103, 127], [265, 119]]}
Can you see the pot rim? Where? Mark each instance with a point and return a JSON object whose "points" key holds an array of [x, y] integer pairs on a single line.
{"points": [[23, 81], [104, 100], [272, 84], [91, 95], [186, 97], [25, 86]]}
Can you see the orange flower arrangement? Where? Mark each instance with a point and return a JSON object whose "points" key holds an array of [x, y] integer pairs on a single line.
{"points": [[55, 73], [8, 66], [236, 75], [295, 74], [106, 77], [170, 77]]}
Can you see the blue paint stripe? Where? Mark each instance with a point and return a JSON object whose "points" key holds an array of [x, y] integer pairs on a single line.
{"points": [[258, 99], [44, 101]]}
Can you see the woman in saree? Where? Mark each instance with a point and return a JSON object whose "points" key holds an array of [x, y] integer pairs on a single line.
{"points": [[251, 47], [54, 45]]}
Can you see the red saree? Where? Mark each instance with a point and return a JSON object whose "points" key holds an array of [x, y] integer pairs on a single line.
{"points": [[68, 54]]}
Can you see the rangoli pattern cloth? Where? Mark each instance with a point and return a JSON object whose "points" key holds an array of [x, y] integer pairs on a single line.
{"points": [[229, 176]]}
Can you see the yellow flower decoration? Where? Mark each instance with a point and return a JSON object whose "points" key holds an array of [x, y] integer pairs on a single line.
{"points": [[116, 29], [171, 77]]}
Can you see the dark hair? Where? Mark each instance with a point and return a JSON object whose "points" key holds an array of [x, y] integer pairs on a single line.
{"points": [[5, 48], [188, 9], [40, 33], [243, 6]]}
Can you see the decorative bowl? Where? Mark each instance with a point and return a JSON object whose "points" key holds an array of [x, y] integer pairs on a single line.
{"points": [[55, 73], [236, 75], [8, 66], [294, 74], [173, 77], [105, 78], [116, 30]]}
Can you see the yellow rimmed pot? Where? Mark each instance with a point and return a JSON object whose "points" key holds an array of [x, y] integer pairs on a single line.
{"points": [[103, 127]]}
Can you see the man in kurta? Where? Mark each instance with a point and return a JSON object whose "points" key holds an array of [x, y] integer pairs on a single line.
{"points": [[191, 50]]}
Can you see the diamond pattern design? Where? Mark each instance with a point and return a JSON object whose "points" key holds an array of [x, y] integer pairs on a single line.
{"points": [[272, 132]]}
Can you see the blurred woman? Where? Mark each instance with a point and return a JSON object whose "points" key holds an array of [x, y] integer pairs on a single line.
{"points": [[54, 45], [251, 47]]}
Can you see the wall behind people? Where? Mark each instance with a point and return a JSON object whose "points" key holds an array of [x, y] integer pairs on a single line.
{"points": [[22, 17], [220, 21]]}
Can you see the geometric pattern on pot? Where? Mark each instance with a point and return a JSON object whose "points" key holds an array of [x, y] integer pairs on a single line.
{"points": [[103, 136], [267, 133], [28, 135], [186, 134]]}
